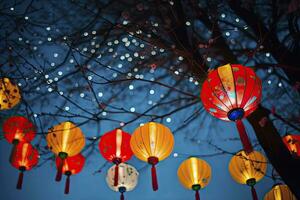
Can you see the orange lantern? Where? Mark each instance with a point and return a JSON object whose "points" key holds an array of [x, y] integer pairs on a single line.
{"points": [[248, 168], [9, 94], [292, 142], [64, 140], [194, 174], [71, 165], [152, 143], [280, 192], [24, 158]]}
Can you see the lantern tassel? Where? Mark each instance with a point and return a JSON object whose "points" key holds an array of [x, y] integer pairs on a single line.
{"points": [[12, 153], [67, 186], [122, 196], [59, 171], [197, 195], [244, 137], [154, 178], [254, 194], [20, 180], [116, 178]]}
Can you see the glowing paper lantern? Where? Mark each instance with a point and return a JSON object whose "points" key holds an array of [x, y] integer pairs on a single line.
{"points": [[114, 146], [64, 140], [9, 94], [248, 168], [71, 165], [280, 192], [18, 129], [194, 174], [292, 142], [230, 93], [128, 178], [152, 142], [24, 158]]}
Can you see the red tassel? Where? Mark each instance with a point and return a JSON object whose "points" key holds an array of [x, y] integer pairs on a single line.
{"points": [[12, 153], [67, 186], [122, 196], [244, 137], [59, 171], [197, 195], [254, 194], [154, 178], [116, 175], [20, 180]]}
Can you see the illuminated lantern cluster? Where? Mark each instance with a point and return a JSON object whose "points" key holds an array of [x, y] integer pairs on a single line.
{"points": [[71, 165], [230, 93], [152, 143], [65, 140], [114, 146], [292, 142], [194, 174], [248, 168], [128, 178], [9, 94], [24, 158], [280, 192], [19, 131]]}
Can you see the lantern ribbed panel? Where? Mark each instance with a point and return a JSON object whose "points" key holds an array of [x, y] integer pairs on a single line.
{"points": [[18, 128], [128, 177], [24, 155], [243, 166], [280, 192], [65, 137], [230, 87], [73, 164], [194, 171], [9, 94], [152, 140]]}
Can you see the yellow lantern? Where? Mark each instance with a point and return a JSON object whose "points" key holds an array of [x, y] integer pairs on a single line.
{"points": [[280, 192], [65, 139], [152, 142], [248, 168], [9, 94], [194, 174], [127, 179]]}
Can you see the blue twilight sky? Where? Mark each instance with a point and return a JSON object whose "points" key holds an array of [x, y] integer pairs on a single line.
{"points": [[70, 67]]}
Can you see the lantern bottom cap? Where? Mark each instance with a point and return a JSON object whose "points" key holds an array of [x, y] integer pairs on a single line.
{"points": [[196, 187], [62, 155], [236, 114], [122, 189], [251, 182], [153, 160]]}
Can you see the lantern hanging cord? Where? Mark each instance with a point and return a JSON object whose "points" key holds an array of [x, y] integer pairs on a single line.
{"points": [[243, 136]]}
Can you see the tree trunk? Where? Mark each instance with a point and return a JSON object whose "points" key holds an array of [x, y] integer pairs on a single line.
{"points": [[279, 156]]}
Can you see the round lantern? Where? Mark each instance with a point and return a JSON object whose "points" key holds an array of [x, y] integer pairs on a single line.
{"points": [[292, 142], [194, 174], [128, 178], [64, 140], [9, 94], [24, 158], [114, 146], [71, 165], [280, 192], [152, 142], [248, 168], [230, 93], [18, 129]]}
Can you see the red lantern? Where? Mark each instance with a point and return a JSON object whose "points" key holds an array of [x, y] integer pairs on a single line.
{"points": [[115, 147], [292, 142], [24, 157], [18, 129], [71, 165], [230, 93]]}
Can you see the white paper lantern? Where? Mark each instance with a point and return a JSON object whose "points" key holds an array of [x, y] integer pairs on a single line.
{"points": [[127, 178]]}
